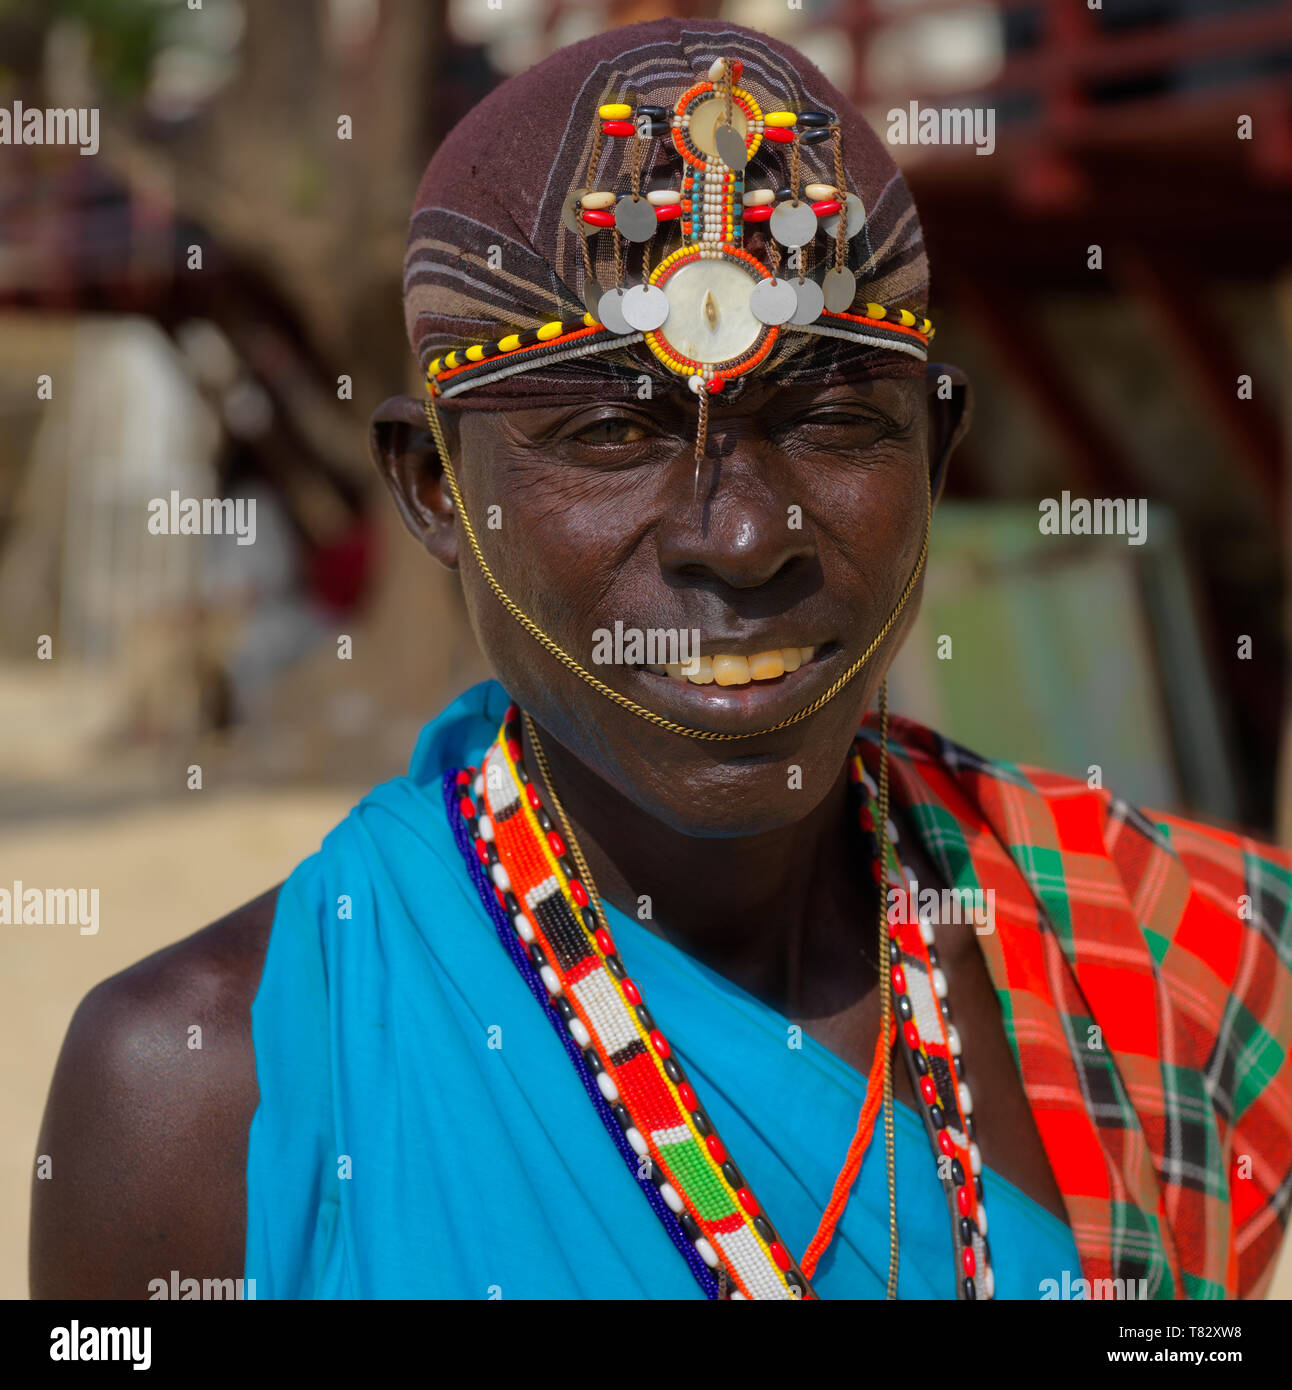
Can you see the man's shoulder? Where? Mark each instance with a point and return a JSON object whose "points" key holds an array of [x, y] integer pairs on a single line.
{"points": [[148, 1115], [213, 972]]}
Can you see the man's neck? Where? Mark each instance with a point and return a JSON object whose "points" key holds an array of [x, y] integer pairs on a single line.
{"points": [[772, 912]]}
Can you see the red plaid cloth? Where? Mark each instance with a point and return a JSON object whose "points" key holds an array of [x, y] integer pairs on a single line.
{"points": [[1143, 965]]}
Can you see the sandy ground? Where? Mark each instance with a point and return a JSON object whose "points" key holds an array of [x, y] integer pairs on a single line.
{"points": [[162, 872]]}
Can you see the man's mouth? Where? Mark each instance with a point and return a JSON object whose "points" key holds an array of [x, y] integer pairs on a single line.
{"points": [[730, 668]]}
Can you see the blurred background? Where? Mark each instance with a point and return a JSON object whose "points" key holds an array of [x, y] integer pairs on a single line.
{"points": [[210, 306]]}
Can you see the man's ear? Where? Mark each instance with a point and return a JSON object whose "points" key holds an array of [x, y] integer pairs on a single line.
{"points": [[950, 412], [402, 447]]}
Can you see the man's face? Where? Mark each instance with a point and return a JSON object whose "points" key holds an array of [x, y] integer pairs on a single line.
{"points": [[807, 525]]}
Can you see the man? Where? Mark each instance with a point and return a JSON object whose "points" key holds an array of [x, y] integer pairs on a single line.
{"points": [[626, 989]]}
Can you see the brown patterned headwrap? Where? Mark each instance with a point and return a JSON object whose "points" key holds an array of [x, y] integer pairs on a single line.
{"points": [[488, 252]]}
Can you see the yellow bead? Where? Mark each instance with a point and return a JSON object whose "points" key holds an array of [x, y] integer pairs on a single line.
{"points": [[512, 340], [451, 360], [875, 311], [474, 354], [779, 118], [434, 368], [551, 330], [615, 111], [589, 321], [906, 317]]}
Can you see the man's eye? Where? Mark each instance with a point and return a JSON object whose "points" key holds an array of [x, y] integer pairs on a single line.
{"points": [[839, 419], [618, 430]]}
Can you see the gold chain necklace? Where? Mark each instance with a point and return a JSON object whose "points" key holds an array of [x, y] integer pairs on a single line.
{"points": [[885, 982]]}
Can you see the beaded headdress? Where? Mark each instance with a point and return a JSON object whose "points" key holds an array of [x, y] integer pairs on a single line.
{"points": [[711, 208]]}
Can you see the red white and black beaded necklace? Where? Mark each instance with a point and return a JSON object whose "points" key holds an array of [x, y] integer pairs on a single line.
{"points": [[534, 885]]}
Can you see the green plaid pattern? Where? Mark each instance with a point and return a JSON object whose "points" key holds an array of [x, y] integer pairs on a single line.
{"points": [[1143, 965]]}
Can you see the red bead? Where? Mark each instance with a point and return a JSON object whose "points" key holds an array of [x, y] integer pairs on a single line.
{"points": [[779, 1253], [747, 1200], [660, 1043], [467, 808], [758, 214], [463, 778], [716, 1148], [578, 892], [512, 715], [716, 383], [737, 67], [595, 217], [970, 1263], [945, 1144], [867, 820], [605, 941], [482, 851], [631, 992], [501, 896], [827, 207], [687, 1096], [877, 871], [912, 1035], [928, 1090], [514, 749], [854, 772], [964, 1200], [778, 134], [618, 128], [533, 796], [557, 844], [899, 979], [668, 212]]}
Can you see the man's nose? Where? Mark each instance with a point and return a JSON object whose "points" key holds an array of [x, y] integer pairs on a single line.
{"points": [[739, 528]]}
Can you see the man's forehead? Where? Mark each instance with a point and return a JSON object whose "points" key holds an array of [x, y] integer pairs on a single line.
{"points": [[766, 400]]}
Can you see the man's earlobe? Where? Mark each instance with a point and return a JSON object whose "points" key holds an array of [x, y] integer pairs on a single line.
{"points": [[404, 452], [950, 400]]}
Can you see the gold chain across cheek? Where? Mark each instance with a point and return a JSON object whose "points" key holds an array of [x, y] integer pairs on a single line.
{"points": [[658, 720]]}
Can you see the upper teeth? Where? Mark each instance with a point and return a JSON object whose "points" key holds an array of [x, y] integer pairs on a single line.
{"points": [[738, 670]]}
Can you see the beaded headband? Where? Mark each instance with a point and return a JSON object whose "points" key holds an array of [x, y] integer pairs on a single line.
{"points": [[709, 310]]}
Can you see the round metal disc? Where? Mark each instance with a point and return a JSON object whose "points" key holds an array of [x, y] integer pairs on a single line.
{"points": [[645, 307], [773, 301], [839, 288], [709, 318], [731, 147], [706, 116], [610, 312], [592, 293], [570, 214], [636, 220], [811, 300], [856, 218], [793, 225]]}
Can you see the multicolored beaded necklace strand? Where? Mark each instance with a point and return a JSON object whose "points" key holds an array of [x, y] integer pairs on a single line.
{"points": [[536, 888]]}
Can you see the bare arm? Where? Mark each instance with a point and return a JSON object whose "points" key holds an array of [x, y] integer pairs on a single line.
{"points": [[146, 1126]]}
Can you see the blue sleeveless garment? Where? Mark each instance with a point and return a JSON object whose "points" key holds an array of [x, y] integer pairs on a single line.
{"points": [[421, 1132]]}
